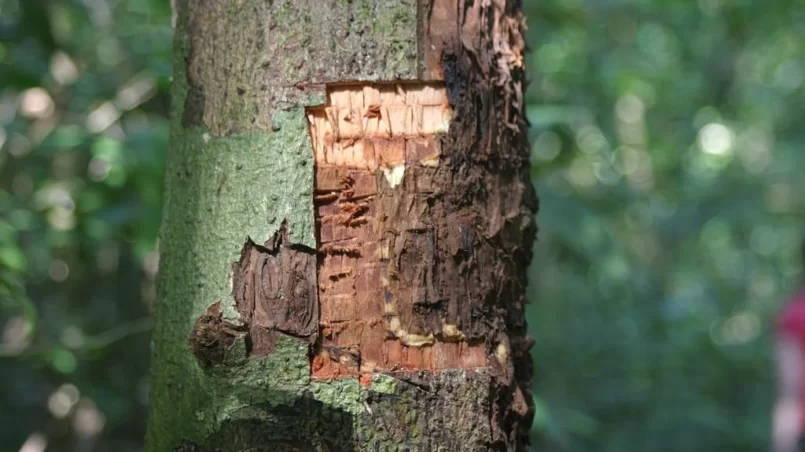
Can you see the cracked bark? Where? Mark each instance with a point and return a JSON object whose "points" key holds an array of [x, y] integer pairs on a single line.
{"points": [[347, 229]]}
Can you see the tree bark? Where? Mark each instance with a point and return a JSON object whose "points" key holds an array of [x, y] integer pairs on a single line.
{"points": [[347, 228]]}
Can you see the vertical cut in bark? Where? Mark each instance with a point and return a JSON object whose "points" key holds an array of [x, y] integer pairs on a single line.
{"points": [[347, 229]]}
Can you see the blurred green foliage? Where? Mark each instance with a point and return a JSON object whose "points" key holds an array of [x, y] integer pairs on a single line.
{"points": [[83, 130], [665, 150]]}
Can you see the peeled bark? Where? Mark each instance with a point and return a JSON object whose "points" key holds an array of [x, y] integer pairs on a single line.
{"points": [[347, 228]]}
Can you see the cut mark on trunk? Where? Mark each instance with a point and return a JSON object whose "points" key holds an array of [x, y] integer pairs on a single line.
{"points": [[377, 149]]}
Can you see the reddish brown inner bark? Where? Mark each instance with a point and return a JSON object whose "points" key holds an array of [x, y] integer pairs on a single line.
{"points": [[377, 150]]}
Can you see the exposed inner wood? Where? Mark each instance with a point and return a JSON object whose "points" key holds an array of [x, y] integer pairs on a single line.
{"points": [[379, 125], [377, 151]]}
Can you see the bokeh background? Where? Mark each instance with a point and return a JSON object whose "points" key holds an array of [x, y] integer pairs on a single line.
{"points": [[667, 150]]}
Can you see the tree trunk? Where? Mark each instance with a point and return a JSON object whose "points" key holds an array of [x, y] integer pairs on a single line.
{"points": [[347, 228]]}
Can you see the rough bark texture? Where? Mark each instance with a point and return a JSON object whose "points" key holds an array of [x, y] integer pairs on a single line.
{"points": [[347, 229]]}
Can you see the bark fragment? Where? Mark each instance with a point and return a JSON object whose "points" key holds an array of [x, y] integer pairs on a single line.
{"points": [[274, 287], [275, 292], [212, 336]]}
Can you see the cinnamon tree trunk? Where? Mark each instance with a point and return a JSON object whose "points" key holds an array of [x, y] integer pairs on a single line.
{"points": [[347, 228]]}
